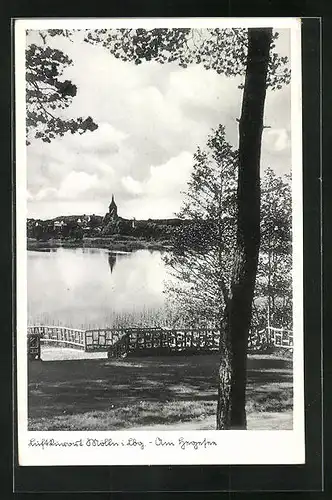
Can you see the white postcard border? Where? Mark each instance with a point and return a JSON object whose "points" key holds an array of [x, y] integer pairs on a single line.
{"points": [[189, 447]]}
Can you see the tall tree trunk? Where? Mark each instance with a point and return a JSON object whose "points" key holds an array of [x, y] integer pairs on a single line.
{"points": [[237, 318]]}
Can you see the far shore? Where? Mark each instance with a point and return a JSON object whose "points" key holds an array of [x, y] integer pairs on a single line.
{"points": [[112, 243]]}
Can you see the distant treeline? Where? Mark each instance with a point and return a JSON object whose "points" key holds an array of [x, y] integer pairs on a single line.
{"points": [[77, 227]]}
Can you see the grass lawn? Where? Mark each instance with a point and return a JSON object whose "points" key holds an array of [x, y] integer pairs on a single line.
{"points": [[102, 394]]}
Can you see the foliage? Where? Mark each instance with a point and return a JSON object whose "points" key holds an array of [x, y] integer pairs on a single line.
{"points": [[152, 229], [201, 259], [274, 281], [223, 50], [47, 94]]}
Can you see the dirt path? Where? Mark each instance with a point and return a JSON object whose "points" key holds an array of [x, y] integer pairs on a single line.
{"points": [[256, 421], [59, 354]]}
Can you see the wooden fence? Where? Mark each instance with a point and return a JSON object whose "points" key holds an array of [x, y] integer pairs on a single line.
{"points": [[147, 341], [153, 340], [271, 337], [279, 337], [59, 336]]}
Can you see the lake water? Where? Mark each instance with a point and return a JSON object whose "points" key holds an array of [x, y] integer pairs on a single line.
{"points": [[86, 288]]}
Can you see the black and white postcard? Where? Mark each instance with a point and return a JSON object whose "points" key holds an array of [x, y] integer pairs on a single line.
{"points": [[159, 241]]}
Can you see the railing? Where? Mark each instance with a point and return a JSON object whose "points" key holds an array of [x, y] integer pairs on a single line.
{"points": [[59, 335], [118, 342], [280, 337], [100, 340], [154, 340], [33, 341], [271, 337], [120, 348]]}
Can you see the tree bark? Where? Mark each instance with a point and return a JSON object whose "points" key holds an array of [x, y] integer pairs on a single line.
{"points": [[237, 317]]}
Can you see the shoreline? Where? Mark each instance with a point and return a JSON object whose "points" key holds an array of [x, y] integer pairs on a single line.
{"points": [[112, 244]]}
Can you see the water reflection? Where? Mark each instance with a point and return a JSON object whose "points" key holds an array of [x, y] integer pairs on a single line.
{"points": [[111, 260], [88, 287]]}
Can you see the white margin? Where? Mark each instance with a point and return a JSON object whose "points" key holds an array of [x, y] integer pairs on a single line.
{"points": [[233, 447]]}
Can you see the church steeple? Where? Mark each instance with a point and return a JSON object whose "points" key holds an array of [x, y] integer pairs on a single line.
{"points": [[113, 209]]}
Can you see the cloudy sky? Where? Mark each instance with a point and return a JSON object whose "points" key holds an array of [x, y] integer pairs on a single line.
{"points": [[151, 119]]}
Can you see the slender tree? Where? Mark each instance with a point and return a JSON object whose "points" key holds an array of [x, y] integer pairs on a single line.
{"points": [[273, 294], [202, 246], [237, 319]]}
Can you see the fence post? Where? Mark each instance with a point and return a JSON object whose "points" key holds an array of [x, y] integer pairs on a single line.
{"points": [[127, 343], [34, 352], [84, 340]]}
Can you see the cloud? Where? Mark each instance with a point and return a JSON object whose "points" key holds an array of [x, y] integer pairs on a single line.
{"points": [[170, 177], [160, 194], [131, 185], [76, 184], [277, 139], [151, 120], [282, 140], [46, 193], [106, 139], [189, 86]]}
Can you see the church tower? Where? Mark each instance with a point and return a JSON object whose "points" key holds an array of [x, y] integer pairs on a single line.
{"points": [[113, 209]]}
